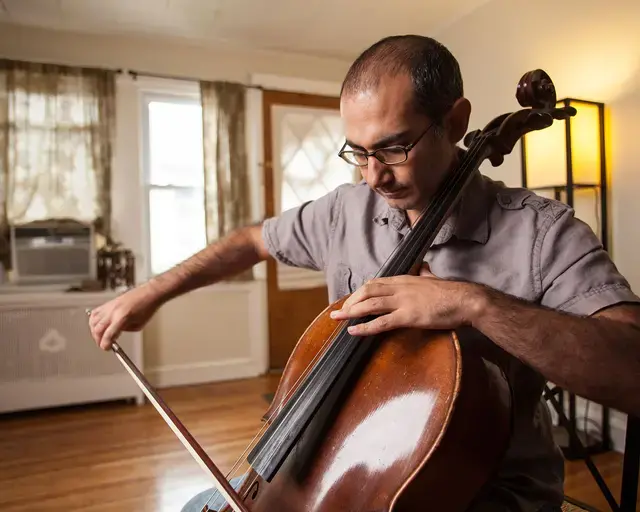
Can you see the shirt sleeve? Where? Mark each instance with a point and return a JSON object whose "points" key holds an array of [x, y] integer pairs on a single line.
{"points": [[300, 237], [577, 274]]}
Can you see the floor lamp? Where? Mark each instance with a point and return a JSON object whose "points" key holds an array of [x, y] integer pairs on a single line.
{"points": [[567, 162]]}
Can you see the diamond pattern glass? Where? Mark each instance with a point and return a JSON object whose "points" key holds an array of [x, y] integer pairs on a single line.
{"points": [[308, 167]]}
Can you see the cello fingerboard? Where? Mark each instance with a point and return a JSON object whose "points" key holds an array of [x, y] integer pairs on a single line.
{"points": [[341, 359]]}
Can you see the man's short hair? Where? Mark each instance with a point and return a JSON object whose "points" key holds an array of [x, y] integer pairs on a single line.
{"points": [[434, 71]]}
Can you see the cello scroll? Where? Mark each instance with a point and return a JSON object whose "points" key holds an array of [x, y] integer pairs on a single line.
{"points": [[535, 90]]}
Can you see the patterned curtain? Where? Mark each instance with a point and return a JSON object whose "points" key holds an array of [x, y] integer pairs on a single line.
{"points": [[56, 138], [227, 192]]}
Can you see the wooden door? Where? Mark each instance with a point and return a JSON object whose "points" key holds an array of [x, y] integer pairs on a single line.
{"points": [[302, 136]]}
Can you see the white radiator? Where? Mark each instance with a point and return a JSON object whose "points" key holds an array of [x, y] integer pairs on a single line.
{"points": [[48, 358]]}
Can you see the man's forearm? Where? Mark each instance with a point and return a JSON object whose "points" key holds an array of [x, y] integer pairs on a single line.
{"points": [[230, 255], [597, 358]]}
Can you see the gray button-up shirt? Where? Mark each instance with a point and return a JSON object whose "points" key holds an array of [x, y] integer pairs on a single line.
{"points": [[507, 238]]}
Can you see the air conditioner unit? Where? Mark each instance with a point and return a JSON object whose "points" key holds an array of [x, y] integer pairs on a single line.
{"points": [[53, 251], [48, 358]]}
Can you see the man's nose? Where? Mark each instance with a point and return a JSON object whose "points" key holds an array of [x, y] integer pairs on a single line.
{"points": [[378, 172]]}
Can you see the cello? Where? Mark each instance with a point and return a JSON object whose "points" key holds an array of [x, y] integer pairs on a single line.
{"points": [[401, 421]]}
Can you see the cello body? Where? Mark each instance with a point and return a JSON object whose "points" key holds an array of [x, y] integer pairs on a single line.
{"points": [[422, 426]]}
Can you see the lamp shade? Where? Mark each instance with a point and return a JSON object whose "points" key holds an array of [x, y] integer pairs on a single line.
{"points": [[568, 152], [566, 162]]}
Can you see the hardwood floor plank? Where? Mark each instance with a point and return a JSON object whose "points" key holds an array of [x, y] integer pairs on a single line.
{"points": [[123, 457], [119, 457]]}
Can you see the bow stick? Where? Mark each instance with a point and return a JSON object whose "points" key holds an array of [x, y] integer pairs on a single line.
{"points": [[196, 451]]}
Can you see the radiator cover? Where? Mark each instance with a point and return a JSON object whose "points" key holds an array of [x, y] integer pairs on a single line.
{"points": [[48, 358]]}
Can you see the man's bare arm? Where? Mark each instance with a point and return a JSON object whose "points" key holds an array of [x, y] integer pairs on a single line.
{"points": [[234, 253], [238, 251], [596, 357]]}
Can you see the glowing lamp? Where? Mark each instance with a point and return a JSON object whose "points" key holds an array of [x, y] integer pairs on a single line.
{"points": [[567, 162]]}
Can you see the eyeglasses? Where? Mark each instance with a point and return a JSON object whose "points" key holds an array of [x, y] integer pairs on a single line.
{"points": [[391, 155]]}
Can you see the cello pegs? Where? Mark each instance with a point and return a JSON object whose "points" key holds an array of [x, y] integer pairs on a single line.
{"points": [[470, 137]]}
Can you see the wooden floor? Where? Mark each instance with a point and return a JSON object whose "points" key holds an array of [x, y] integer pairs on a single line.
{"points": [[120, 457]]}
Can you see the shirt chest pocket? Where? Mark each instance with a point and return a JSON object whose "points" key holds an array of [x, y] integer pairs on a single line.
{"points": [[349, 278]]}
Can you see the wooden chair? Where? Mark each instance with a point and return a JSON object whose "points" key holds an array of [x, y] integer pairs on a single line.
{"points": [[570, 507], [630, 465]]}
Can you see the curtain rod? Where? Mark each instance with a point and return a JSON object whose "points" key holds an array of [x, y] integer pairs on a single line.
{"points": [[57, 64], [120, 71], [136, 74]]}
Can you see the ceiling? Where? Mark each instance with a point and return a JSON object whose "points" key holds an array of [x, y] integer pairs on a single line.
{"points": [[328, 28]]}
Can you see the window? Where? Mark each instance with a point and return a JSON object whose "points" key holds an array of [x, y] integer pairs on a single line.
{"points": [[55, 135], [174, 175]]}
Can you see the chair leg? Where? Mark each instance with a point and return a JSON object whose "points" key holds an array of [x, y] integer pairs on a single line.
{"points": [[630, 466], [575, 440], [583, 506]]}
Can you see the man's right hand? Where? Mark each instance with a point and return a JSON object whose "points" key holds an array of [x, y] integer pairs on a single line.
{"points": [[128, 312]]}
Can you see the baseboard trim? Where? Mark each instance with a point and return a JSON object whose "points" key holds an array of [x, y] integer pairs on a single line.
{"points": [[617, 423], [618, 433], [202, 373]]}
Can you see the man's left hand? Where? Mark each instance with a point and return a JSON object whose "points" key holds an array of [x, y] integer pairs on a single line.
{"points": [[424, 302]]}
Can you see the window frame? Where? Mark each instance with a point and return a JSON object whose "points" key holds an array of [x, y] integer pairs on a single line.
{"points": [[187, 94]]}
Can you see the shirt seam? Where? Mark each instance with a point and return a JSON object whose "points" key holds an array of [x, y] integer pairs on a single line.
{"points": [[536, 254], [273, 246], [336, 209], [590, 293], [549, 221]]}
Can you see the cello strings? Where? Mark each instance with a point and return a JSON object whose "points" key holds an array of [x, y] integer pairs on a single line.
{"points": [[292, 390], [447, 191], [304, 373], [265, 425], [295, 385]]}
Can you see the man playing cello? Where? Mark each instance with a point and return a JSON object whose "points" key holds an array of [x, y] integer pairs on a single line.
{"points": [[507, 266]]}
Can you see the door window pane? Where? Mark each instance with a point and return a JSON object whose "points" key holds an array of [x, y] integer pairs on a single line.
{"points": [[307, 141]]}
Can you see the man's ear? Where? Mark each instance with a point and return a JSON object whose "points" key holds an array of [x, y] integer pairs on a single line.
{"points": [[456, 122]]}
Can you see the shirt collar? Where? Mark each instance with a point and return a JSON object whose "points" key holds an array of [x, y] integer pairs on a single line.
{"points": [[468, 221]]}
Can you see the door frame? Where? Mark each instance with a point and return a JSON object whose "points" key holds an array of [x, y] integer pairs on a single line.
{"points": [[270, 98]]}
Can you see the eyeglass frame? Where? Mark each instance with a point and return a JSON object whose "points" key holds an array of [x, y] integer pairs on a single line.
{"points": [[368, 154]]}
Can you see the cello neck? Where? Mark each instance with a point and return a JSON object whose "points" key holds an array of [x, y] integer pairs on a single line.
{"points": [[415, 245]]}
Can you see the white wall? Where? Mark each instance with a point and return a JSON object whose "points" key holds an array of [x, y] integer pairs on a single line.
{"points": [[219, 332], [591, 50]]}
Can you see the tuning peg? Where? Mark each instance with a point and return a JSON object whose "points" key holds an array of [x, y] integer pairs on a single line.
{"points": [[470, 137]]}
